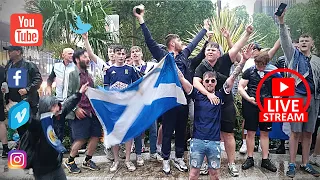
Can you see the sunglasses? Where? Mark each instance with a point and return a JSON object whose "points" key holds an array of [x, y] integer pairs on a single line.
{"points": [[212, 81]]}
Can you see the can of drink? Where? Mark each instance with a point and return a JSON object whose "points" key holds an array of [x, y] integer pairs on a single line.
{"points": [[5, 87]]}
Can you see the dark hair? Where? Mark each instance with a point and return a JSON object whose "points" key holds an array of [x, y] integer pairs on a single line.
{"points": [[263, 57], [77, 53], [210, 74], [213, 45], [169, 37], [305, 36], [295, 41], [117, 48]]}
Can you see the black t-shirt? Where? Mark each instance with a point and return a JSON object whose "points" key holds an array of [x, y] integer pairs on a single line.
{"points": [[254, 78], [222, 68]]}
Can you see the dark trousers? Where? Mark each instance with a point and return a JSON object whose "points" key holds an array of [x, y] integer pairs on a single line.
{"points": [[174, 120]]}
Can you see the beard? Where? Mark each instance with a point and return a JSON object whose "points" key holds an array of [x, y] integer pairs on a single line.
{"points": [[83, 65]]}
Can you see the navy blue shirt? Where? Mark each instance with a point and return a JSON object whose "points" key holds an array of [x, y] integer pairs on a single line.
{"points": [[120, 77], [301, 89], [207, 116]]}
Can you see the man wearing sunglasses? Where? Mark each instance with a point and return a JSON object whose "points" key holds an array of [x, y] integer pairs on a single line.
{"points": [[207, 116]]}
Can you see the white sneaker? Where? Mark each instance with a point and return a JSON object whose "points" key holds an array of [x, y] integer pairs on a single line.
{"points": [[233, 170], [222, 146], [140, 161], [156, 157], [315, 160], [166, 166], [204, 169], [243, 149], [130, 166], [114, 166], [180, 164]]}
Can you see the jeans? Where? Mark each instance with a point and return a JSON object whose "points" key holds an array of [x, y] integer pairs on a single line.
{"points": [[152, 139]]}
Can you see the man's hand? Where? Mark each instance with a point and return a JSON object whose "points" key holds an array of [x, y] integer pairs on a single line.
{"points": [[213, 99], [23, 92], [48, 90], [252, 100], [225, 33], [210, 34], [84, 88], [206, 24], [139, 16], [80, 113], [281, 18], [247, 52], [85, 36], [249, 29]]}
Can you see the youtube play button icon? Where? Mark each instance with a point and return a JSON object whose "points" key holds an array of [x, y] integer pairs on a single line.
{"points": [[283, 87]]}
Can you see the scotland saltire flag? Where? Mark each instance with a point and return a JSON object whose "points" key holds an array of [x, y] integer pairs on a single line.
{"points": [[47, 126], [126, 113]]}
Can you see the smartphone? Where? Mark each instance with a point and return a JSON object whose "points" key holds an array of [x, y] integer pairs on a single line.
{"points": [[281, 8]]}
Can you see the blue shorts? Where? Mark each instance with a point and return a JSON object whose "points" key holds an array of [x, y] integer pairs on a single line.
{"points": [[86, 128], [201, 148]]}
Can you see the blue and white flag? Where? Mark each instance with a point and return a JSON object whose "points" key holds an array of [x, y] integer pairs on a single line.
{"points": [[125, 114], [52, 138]]}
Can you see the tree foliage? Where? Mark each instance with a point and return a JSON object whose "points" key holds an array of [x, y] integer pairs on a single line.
{"points": [[267, 28], [58, 15], [162, 18], [241, 14]]}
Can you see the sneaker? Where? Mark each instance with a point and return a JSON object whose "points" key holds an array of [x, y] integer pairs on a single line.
{"points": [[204, 169], [156, 157], [248, 163], [243, 149], [166, 166], [5, 153], [109, 154], [222, 146], [90, 165], [291, 170], [114, 166], [82, 151], [72, 167], [268, 164], [233, 170], [309, 169], [315, 160], [180, 164], [140, 161], [130, 166]]}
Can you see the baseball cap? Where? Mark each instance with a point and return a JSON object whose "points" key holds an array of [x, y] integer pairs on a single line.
{"points": [[13, 48], [257, 46]]}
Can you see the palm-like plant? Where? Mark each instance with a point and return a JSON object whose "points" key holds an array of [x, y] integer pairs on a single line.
{"points": [[229, 21], [58, 15]]}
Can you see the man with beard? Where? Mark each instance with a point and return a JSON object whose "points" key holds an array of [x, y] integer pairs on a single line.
{"points": [[60, 74], [85, 124], [174, 119], [215, 62]]}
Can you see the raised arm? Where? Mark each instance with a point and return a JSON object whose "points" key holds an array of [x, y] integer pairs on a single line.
{"points": [[88, 47], [155, 50], [233, 52], [285, 40], [246, 54], [225, 33], [274, 49], [191, 46]]}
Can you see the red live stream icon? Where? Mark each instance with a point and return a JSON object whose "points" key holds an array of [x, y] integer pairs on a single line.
{"points": [[283, 109]]}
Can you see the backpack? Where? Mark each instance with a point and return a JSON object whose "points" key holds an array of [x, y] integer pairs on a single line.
{"points": [[28, 143]]}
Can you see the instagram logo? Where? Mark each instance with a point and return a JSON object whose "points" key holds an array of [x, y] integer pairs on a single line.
{"points": [[17, 159]]}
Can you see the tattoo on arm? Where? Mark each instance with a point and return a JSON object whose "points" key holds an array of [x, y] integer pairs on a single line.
{"points": [[237, 71]]}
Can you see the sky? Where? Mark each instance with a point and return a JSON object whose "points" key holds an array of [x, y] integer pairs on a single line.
{"points": [[234, 3]]}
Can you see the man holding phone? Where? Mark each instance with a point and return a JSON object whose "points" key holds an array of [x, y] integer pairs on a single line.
{"points": [[308, 65]]}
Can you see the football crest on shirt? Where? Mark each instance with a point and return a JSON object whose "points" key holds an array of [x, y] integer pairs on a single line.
{"points": [[113, 72], [126, 71]]}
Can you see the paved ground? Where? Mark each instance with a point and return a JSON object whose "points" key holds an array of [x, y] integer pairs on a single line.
{"points": [[152, 170]]}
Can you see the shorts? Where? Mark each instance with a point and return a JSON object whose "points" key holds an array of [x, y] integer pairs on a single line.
{"points": [[86, 128], [2, 115], [312, 116], [201, 148], [250, 113], [228, 117]]}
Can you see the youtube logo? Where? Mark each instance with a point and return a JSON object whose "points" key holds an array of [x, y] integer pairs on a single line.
{"points": [[283, 87]]}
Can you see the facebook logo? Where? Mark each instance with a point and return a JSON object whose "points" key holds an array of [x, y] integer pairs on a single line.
{"points": [[17, 78]]}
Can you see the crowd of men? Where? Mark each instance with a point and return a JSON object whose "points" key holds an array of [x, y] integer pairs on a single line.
{"points": [[209, 81]]}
